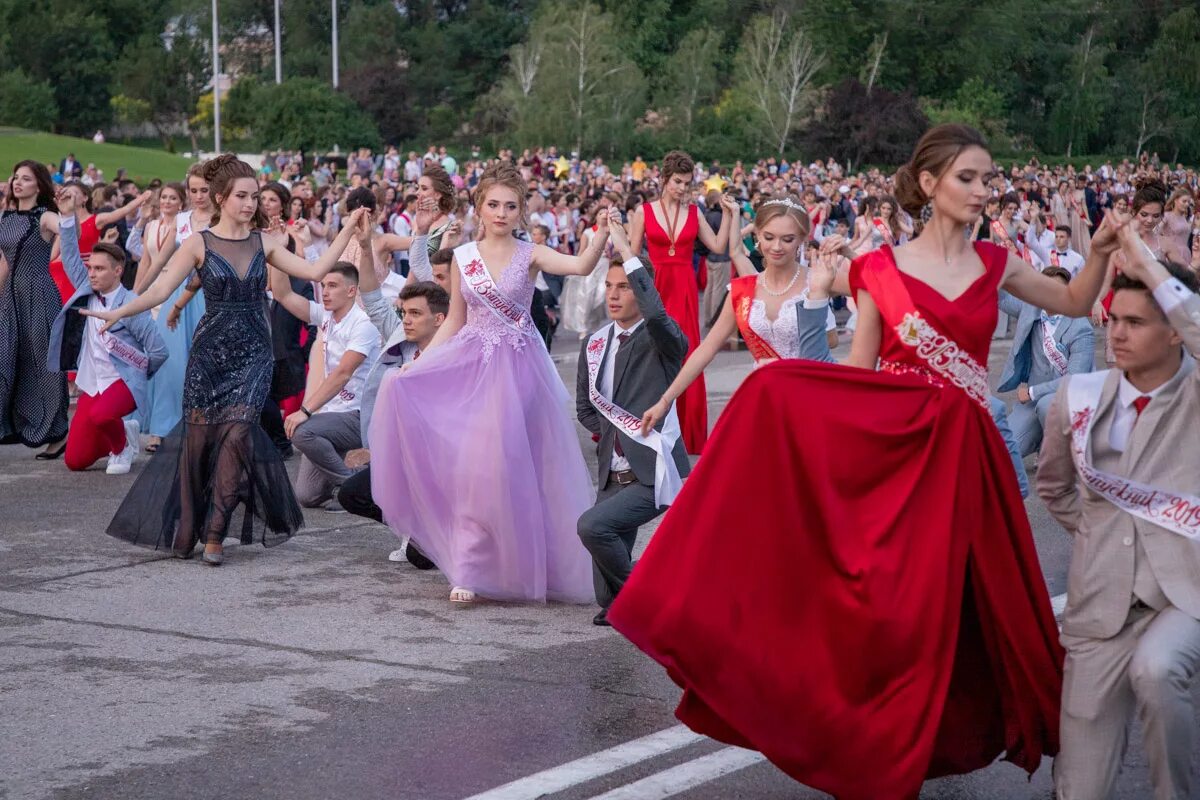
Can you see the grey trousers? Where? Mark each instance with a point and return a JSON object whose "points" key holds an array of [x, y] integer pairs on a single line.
{"points": [[609, 530], [323, 440], [1147, 667], [1028, 421]]}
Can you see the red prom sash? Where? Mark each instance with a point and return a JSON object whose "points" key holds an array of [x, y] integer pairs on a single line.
{"points": [[884, 229], [667, 481], [1174, 511], [741, 293], [1049, 347], [479, 281], [939, 352], [1002, 233]]}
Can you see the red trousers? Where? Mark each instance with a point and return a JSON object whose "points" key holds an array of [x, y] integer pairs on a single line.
{"points": [[97, 429]]}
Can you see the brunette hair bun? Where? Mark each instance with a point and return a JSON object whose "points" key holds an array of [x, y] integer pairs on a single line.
{"points": [[934, 153], [1149, 190], [908, 191]]}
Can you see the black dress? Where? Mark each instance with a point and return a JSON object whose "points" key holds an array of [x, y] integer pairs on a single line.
{"points": [[220, 459], [33, 400]]}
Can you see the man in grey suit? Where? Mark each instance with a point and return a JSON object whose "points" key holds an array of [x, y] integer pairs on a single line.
{"points": [[642, 351], [1034, 368], [113, 367], [1118, 470]]}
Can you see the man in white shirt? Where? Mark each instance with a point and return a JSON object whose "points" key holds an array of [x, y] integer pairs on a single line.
{"points": [[1061, 254], [327, 425], [413, 168]]}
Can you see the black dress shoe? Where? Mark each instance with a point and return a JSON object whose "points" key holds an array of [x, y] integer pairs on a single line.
{"points": [[601, 619], [417, 558], [52, 455]]}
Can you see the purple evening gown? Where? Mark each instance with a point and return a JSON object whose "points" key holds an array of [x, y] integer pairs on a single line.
{"points": [[474, 456]]}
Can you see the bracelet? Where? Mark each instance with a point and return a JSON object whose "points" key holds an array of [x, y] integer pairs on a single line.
{"points": [[177, 308], [307, 413]]}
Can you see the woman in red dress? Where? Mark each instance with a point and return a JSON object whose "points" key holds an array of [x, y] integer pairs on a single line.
{"points": [[91, 227], [669, 241], [884, 618]]}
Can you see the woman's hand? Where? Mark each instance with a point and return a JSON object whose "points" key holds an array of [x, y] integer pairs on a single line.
{"points": [[66, 202], [427, 212], [654, 415], [173, 317], [110, 317], [303, 233], [730, 206]]}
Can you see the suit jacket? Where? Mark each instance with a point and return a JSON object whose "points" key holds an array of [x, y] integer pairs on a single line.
{"points": [[1163, 451], [646, 364], [814, 341], [396, 352], [1074, 337], [66, 335]]}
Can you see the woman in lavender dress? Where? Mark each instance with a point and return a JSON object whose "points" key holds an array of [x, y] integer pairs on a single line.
{"points": [[473, 453]]}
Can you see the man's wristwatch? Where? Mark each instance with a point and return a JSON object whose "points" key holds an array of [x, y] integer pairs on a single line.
{"points": [[307, 413]]}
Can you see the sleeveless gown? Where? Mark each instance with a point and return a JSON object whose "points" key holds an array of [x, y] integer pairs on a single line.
{"points": [[675, 280], [886, 619], [474, 455], [221, 459], [33, 400], [165, 389]]}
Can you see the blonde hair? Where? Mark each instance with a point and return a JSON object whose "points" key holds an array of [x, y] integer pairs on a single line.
{"points": [[506, 175], [783, 205]]}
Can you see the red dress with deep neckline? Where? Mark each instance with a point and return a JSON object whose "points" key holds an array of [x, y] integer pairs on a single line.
{"points": [[883, 617], [675, 280]]}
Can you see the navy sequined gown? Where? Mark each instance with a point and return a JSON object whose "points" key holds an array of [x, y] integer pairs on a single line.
{"points": [[220, 460]]}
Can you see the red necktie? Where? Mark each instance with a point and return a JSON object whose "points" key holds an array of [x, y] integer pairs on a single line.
{"points": [[1140, 403]]}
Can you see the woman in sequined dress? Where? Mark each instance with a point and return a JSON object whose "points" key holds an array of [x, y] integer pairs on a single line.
{"points": [[222, 459]]}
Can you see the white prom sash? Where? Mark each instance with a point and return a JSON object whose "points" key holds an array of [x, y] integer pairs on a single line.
{"points": [[667, 482], [479, 281], [1176, 512], [1053, 354], [124, 351]]}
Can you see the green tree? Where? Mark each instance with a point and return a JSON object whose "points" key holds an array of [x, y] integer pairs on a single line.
{"points": [[26, 103], [690, 79], [304, 114], [1082, 96], [776, 65], [167, 75]]}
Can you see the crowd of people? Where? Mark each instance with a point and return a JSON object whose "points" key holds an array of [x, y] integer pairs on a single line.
{"points": [[389, 323]]}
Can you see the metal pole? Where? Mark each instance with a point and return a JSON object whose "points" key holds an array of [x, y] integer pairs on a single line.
{"points": [[333, 3], [278, 50], [216, 82]]}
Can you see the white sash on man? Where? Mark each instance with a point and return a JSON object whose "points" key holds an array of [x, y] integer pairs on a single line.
{"points": [[1174, 511], [1049, 347], [479, 281], [119, 348], [667, 482]]}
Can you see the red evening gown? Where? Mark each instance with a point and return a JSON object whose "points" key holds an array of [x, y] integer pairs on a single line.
{"points": [[867, 610], [88, 236], [675, 280]]}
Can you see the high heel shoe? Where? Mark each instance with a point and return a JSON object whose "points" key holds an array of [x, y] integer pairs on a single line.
{"points": [[214, 559], [46, 455]]}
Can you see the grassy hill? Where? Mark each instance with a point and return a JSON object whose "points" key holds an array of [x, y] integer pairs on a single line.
{"points": [[140, 163]]}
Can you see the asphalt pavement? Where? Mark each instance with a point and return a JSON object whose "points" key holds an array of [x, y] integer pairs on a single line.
{"points": [[319, 669]]}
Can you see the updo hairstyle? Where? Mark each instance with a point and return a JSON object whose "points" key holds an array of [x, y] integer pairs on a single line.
{"points": [[935, 152], [220, 173], [783, 205]]}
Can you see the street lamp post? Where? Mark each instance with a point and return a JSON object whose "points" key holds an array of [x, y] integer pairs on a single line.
{"points": [[333, 3], [216, 81], [278, 50]]}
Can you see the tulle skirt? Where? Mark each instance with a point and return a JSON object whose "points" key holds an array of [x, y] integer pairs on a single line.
{"points": [[582, 301], [473, 455], [207, 482]]}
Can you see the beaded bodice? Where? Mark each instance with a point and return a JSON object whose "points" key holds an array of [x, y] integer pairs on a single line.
{"points": [[513, 282]]}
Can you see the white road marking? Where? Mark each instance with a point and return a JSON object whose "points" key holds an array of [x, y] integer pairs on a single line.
{"points": [[590, 767], [1059, 604], [675, 780]]}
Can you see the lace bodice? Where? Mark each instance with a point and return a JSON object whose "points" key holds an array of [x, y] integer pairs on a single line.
{"points": [[784, 333], [515, 283]]}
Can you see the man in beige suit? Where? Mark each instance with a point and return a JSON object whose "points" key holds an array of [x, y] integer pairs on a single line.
{"points": [[1120, 470]]}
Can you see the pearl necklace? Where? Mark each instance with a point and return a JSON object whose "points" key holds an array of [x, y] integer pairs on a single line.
{"points": [[785, 289]]}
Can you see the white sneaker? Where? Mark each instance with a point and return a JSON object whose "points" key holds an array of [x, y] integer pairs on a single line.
{"points": [[120, 463], [400, 555]]}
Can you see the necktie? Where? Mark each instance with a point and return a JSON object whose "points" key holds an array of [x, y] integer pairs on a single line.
{"points": [[1140, 403], [617, 442], [103, 301], [417, 354]]}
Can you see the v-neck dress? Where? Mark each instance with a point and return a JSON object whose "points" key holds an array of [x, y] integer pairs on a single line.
{"points": [[475, 456], [886, 619], [220, 459]]}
